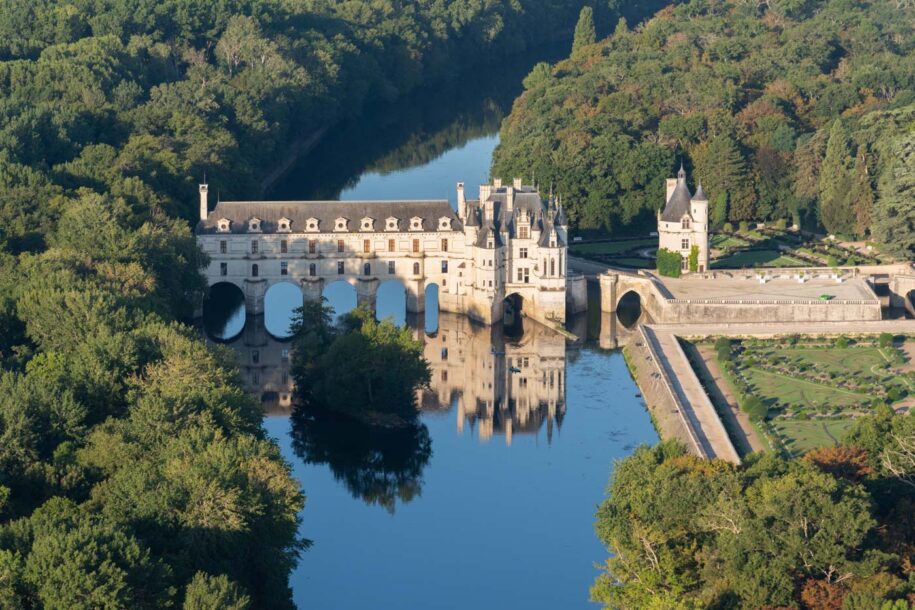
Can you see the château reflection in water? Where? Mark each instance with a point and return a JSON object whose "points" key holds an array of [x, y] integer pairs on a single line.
{"points": [[496, 385]]}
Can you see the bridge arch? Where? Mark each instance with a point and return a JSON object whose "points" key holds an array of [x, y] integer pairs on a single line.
{"points": [[280, 301], [224, 311], [512, 320], [391, 301], [629, 309], [341, 295]]}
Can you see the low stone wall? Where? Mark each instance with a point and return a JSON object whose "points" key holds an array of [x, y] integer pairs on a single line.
{"points": [[732, 310]]}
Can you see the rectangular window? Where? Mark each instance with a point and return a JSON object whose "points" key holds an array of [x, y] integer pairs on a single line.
{"points": [[527, 275], [391, 267], [684, 244], [444, 266], [415, 245], [524, 233], [520, 274], [339, 267], [223, 268], [366, 246], [284, 268], [253, 246], [444, 245], [312, 246], [339, 245], [391, 246], [255, 356], [522, 253], [312, 269], [223, 247], [284, 246], [284, 355]]}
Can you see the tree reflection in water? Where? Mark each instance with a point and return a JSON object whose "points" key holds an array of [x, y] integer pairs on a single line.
{"points": [[379, 466]]}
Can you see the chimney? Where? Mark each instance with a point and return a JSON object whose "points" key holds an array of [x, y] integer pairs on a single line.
{"points": [[517, 184], [510, 199], [204, 206], [671, 185], [461, 202], [497, 182]]}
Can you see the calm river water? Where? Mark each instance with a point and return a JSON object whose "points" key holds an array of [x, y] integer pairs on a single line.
{"points": [[490, 501]]}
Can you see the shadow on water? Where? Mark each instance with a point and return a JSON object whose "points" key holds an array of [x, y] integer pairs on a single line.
{"points": [[379, 466], [414, 130], [224, 312]]}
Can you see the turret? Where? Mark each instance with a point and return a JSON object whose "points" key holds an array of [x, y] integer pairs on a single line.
{"points": [[204, 205], [699, 206]]}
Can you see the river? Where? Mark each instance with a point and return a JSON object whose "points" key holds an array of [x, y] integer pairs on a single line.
{"points": [[489, 502]]}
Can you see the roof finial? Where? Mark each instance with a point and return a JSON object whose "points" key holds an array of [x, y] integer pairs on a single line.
{"points": [[682, 173]]}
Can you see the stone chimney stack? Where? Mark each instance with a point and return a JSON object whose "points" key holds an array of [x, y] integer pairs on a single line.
{"points": [[204, 205], [461, 202], [497, 182], [517, 184], [671, 185], [510, 199]]}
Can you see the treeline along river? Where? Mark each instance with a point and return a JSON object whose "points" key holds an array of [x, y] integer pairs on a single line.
{"points": [[489, 501]]}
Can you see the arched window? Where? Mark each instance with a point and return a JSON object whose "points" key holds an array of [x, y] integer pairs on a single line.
{"points": [[552, 266], [367, 269], [254, 270], [415, 268], [312, 269]]}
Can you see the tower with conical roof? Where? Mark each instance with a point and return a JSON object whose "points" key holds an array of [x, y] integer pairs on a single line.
{"points": [[683, 221]]}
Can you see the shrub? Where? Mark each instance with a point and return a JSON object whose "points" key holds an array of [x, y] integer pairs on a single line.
{"points": [[894, 394], [754, 408], [669, 263], [842, 342], [723, 348], [744, 226], [781, 223], [885, 339], [832, 261], [694, 259], [728, 228]]}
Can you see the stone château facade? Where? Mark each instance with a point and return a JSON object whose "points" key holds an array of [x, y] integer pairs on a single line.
{"points": [[683, 223], [509, 242]]}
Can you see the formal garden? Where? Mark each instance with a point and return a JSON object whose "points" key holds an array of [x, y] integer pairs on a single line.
{"points": [[637, 253], [806, 392]]}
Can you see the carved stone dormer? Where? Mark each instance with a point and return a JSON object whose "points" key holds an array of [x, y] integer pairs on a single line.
{"points": [[416, 223], [444, 223], [313, 225], [254, 225], [284, 225], [391, 224], [223, 225], [367, 224], [341, 224]]}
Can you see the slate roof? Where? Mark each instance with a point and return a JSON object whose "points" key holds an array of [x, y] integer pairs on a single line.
{"points": [[700, 194], [270, 212], [526, 200], [678, 204]]}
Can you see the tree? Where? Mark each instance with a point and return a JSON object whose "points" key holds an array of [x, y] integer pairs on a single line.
{"points": [[722, 168], [207, 592], [585, 33], [862, 194], [894, 212], [836, 211]]}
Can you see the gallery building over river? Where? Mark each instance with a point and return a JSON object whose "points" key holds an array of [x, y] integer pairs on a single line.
{"points": [[506, 250]]}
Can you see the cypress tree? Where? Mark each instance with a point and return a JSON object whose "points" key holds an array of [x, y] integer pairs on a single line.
{"points": [[836, 211], [723, 169], [862, 194], [585, 33]]}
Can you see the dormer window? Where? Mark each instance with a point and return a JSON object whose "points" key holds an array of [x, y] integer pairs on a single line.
{"points": [[368, 224], [311, 224], [284, 225], [340, 224], [254, 225], [685, 223], [223, 225], [391, 224], [490, 242], [444, 223], [416, 223]]}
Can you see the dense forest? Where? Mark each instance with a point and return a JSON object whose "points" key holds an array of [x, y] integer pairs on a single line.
{"points": [[134, 472], [786, 109], [831, 531]]}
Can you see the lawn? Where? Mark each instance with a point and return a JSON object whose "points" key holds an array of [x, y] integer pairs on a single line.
{"points": [[785, 392], [842, 361], [801, 435], [613, 247], [723, 240], [757, 258]]}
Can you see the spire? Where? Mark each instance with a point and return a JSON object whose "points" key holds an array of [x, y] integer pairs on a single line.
{"points": [[700, 194], [681, 175]]}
